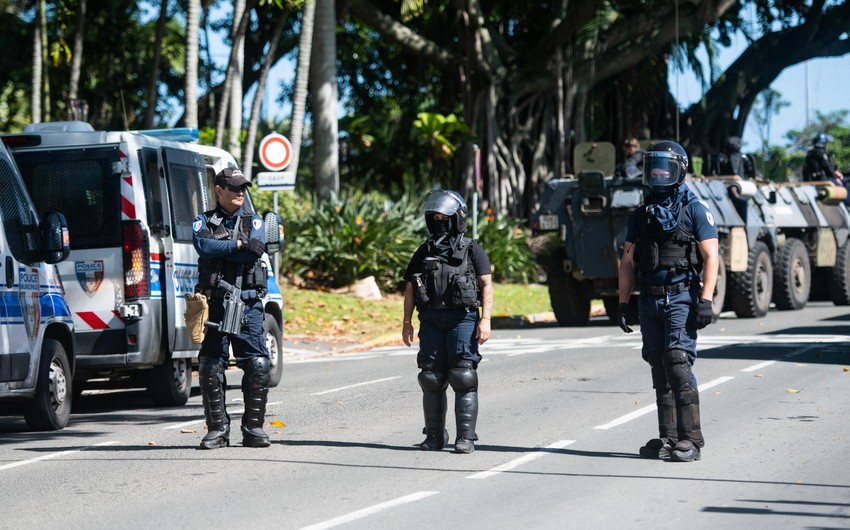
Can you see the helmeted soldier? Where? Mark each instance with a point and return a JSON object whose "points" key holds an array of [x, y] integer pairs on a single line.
{"points": [[670, 240], [448, 279], [819, 165], [734, 162], [230, 242]]}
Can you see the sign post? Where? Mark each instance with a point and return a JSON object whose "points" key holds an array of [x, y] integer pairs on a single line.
{"points": [[275, 155]]}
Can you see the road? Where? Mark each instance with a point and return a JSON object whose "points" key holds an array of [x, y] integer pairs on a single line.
{"points": [[563, 412]]}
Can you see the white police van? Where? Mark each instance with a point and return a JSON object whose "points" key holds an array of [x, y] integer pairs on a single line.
{"points": [[129, 200], [36, 329]]}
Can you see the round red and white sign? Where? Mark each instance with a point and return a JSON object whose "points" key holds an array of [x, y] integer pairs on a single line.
{"points": [[275, 152]]}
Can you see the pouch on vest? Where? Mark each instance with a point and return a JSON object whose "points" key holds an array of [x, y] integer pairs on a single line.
{"points": [[197, 312], [464, 291]]}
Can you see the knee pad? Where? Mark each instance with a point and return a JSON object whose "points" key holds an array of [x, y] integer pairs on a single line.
{"points": [[678, 369], [210, 370], [463, 378], [257, 371], [433, 381]]}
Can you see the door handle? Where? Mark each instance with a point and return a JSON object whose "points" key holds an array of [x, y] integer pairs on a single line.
{"points": [[10, 273]]}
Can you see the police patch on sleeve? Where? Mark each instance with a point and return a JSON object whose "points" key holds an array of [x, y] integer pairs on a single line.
{"points": [[257, 223], [197, 225], [709, 217]]}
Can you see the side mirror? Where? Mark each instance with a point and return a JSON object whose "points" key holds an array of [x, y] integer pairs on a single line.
{"points": [[55, 241], [274, 232]]}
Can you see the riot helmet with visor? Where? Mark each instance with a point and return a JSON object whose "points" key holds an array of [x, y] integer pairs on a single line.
{"points": [[664, 166], [450, 204]]}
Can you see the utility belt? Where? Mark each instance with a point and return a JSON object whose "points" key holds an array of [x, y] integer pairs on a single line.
{"points": [[219, 294], [661, 290]]}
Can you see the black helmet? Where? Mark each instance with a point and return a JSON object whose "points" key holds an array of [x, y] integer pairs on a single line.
{"points": [[448, 203], [820, 140], [664, 165], [734, 144]]}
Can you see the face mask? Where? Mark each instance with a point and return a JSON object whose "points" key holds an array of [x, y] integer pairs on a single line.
{"points": [[440, 227]]}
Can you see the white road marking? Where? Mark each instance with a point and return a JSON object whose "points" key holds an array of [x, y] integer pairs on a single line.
{"points": [[359, 514], [649, 408], [53, 455], [507, 466], [355, 385], [758, 366]]}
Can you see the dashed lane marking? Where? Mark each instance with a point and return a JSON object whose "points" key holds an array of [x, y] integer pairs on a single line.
{"points": [[371, 510], [322, 393], [507, 466], [53, 455]]}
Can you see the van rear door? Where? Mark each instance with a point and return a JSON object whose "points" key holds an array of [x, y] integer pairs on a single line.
{"points": [[189, 195]]}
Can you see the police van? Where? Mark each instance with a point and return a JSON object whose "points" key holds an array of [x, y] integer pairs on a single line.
{"points": [[129, 199], [36, 329]]}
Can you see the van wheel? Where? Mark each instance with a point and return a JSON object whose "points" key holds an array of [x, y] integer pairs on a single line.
{"points": [[792, 279], [170, 383], [50, 409], [274, 343]]}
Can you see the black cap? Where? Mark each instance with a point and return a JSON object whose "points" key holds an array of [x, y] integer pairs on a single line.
{"points": [[230, 176]]}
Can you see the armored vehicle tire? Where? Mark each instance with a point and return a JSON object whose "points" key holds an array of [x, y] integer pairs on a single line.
{"points": [[170, 383], [570, 305], [719, 297], [274, 343], [750, 291], [840, 277], [50, 408], [792, 278]]}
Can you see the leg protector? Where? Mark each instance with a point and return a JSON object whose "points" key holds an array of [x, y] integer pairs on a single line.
{"points": [[434, 386], [679, 374], [211, 380], [464, 381], [667, 428], [255, 391]]}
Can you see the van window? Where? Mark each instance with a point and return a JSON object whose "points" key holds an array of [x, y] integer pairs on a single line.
{"points": [[81, 184], [188, 189], [19, 220]]}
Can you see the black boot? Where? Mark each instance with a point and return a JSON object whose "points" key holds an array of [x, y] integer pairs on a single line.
{"points": [[691, 441], [434, 405], [255, 391], [667, 430], [211, 380], [466, 415]]}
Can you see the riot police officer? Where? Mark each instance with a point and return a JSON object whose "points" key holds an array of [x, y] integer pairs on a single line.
{"points": [[230, 242], [448, 279], [734, 162], [819, 165], [670, 240]]}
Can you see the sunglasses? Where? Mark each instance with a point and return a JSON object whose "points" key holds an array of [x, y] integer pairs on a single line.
{"points": [[236, 189]]}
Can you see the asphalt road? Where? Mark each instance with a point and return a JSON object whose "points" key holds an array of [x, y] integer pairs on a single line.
{"points": [[563, 412]]}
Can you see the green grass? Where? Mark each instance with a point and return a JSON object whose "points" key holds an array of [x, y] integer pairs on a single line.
{"points": [[344, 317]]}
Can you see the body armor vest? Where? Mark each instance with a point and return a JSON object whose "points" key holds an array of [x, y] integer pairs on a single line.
{"points": [[209, 270], [677, 251], [450, 283]]}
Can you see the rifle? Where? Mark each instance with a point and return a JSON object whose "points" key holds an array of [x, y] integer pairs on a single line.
{"points": [[234, 307]]}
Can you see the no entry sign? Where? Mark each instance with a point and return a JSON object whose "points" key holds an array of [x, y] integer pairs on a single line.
{"points": [[275, 152]]}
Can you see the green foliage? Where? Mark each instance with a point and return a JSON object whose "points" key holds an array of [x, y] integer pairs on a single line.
{"points": [[834, 124], [442, 133], [507, 244]]}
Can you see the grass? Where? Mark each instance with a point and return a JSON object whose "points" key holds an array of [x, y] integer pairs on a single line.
{"points": [[343, 317]]}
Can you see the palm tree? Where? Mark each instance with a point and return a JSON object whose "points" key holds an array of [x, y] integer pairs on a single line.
{"points": [[236, 85], [77, 56], [324, 89], [157, 58], [190, 92], [302, 76]]}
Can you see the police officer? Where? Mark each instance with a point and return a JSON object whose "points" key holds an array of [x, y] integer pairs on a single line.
{"points": [[734, 162], [448, 278], [632, 165], [670, 239], [819, 165], [231, 243]]}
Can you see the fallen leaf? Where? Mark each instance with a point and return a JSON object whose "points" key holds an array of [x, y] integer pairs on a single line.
{"points": [[846, 369], [277, 423], [793, 391], [758, 375], [151, 443], [188, 431], [717, 392]]}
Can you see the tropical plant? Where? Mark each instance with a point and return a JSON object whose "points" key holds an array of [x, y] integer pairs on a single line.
{"points": [[506, 242]]}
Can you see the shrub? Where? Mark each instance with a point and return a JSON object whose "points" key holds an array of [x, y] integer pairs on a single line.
{"points": [[506, 242]]}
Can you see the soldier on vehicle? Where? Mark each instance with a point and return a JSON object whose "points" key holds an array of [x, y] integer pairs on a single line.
{"points": [[231, 243], [632, 164], [734, 162], [819, 164], [670, 240], [448, 278]]}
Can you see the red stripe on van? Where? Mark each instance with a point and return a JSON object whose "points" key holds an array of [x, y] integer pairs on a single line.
{"points": [[128, 208], [93, 320]]}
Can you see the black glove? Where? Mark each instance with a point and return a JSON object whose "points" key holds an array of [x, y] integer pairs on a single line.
{"points": [[623, 317], [255, 247], [704, 314]]}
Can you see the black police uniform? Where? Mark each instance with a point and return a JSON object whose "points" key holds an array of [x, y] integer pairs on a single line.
{"points": [[444, 272], [215, 238]]}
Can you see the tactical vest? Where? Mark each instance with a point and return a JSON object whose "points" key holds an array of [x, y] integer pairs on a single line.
{"points": [[448, 284], [676, 252], [209, 270]]}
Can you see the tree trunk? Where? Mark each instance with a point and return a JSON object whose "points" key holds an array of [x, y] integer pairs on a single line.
{"points": [[45, 61], [226, 93], [37, 62], [77, 58], [236, 98], [248, 156], [153, 83], [324, 89], [190, 92], [302, 77]]}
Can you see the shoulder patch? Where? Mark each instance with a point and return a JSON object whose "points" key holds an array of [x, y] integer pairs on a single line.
{"points": [[197, 225], [709, 217], [257, 223]]}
